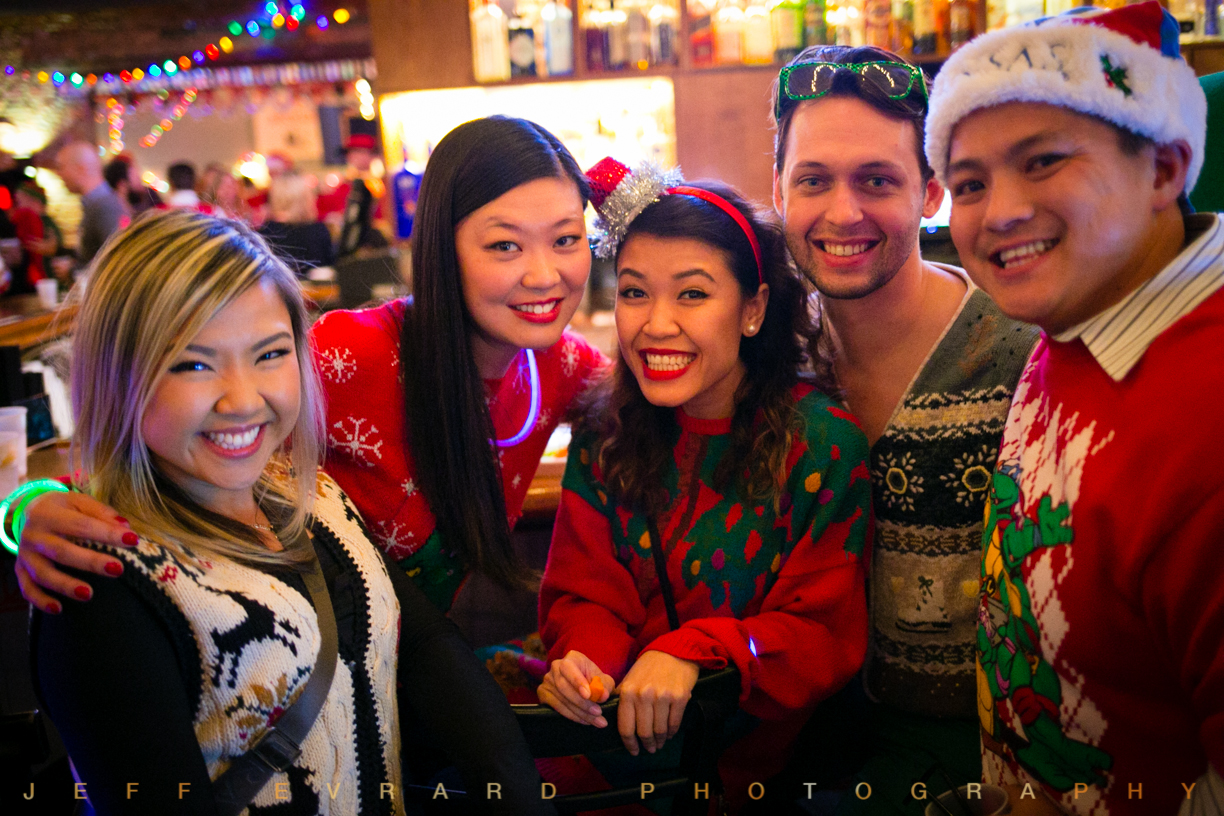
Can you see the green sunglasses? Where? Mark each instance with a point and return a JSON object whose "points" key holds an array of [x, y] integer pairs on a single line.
{"points": [[892, 80]]}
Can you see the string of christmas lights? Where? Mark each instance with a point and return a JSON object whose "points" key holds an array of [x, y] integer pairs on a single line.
{"points": [[277, 16]]}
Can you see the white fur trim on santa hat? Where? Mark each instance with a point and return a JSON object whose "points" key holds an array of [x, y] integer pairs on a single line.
{"points": [[1060, 63]]}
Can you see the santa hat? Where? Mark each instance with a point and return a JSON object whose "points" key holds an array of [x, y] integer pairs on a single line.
{"points": [[360, 141], [619, 195], [1122, 65]]}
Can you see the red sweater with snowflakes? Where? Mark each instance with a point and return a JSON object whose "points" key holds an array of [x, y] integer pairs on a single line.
{"points": [[357, 353], [1101, 636], [778, 595]]}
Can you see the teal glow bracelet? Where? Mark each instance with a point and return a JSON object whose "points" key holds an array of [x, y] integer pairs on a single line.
{"points": [[21, 497]]}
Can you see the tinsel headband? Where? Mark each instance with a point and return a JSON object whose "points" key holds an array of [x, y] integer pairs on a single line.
{"points": [[620, 196]]}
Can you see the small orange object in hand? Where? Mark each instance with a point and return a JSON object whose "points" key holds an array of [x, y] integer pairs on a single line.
{"points": [[597, 688]]}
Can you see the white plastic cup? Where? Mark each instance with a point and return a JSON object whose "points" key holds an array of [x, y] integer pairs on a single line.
{"points": [[12, 460], [48, 292], [13, 420]]}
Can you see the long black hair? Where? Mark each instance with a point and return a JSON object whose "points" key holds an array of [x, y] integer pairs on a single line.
{"points": [[636, 445], [449, 425]]}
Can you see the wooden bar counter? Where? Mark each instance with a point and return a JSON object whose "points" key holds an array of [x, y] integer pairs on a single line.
{"points": [[24, 322]]}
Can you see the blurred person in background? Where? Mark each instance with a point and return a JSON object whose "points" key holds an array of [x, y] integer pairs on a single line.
{"points": [[122, 174], [219, 189], [26, 215], [293, 228], [256, 200], [101, 210], [182, 178], [359, 230]]}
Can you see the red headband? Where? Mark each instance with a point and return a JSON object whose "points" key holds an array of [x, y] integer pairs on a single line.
{"points": [[736, 216]]}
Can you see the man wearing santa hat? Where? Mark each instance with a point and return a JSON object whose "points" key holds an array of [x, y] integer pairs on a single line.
{"points": [[1069, 146]]}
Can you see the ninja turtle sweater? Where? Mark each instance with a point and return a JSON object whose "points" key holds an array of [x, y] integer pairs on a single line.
{"points": [[779, 595], [357, 354], [1101, 620]]}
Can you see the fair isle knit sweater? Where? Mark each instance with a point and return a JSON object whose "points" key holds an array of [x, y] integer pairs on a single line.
{"points": [[930, 474], [247, 642]]}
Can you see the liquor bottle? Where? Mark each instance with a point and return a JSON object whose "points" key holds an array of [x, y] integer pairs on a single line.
{"points": [[664, 23], [758, 34], [701, 38], [557, 32], [815, 25], [926, 37], [490, 43], [595, 35], [960, 26], [521, 43], [902, 26], [618, 37], [786, 20], [637, 33], [729, 33], [877, 23], [405, 186]]}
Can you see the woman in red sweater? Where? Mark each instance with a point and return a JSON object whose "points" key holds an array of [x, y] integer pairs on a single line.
{"points": [[706, 458]]}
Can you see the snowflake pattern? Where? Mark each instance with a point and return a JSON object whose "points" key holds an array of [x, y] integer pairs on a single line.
{"points": [[394, 538], [901, 484], [409, 487], [358, 445], [970, 476], [337, 365], [569, 357], [517, 480], [544, 419]]}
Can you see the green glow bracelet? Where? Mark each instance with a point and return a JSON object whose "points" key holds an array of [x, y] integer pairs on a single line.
{"points": [[21, 497]]}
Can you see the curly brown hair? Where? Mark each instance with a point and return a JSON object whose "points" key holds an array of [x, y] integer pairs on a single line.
{"points": [[635, 438]]}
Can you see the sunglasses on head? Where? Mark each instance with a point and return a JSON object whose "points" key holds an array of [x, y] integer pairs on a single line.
{"points": [[892, 80]]}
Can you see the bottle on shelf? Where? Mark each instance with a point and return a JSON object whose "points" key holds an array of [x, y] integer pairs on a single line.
{"points": [[664, 24], [618, 37], [996, 14], [701, 37], [877, 18], [521, 43], [926, 36], [490, 43], [556, 31], [637, 34], [786, 22], [595, 37], [902, 39], [1023, 11], [758, 34], [729, 33], [815, 23], [960, 26]]}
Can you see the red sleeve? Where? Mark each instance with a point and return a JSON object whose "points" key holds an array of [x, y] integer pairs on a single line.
{"points": [[588, 600], [1183, 597], [810, 636], [357, 356]]}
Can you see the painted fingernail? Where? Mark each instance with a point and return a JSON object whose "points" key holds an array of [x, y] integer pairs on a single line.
{"points": [[83, 592], [114, 569], [54, 608], [122, 520], [130, 539]]}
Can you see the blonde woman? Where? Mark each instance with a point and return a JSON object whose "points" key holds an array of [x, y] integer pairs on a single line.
{"points": [[191, 371], [293, 227]]}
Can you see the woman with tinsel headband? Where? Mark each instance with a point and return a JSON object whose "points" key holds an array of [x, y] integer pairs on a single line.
{"points": [[708, 458]]}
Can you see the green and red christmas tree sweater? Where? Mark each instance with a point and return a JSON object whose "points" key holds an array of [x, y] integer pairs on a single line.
{"points": [[779, 595]]}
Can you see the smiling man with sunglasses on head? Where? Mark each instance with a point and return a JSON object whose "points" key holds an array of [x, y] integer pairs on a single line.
{"points": [[928, 364]]}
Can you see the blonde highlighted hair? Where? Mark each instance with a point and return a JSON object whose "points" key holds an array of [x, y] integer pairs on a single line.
{"points": [[151, 290]]}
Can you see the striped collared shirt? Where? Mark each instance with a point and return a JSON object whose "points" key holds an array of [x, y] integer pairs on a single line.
{"points": [[1119, 336]]}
